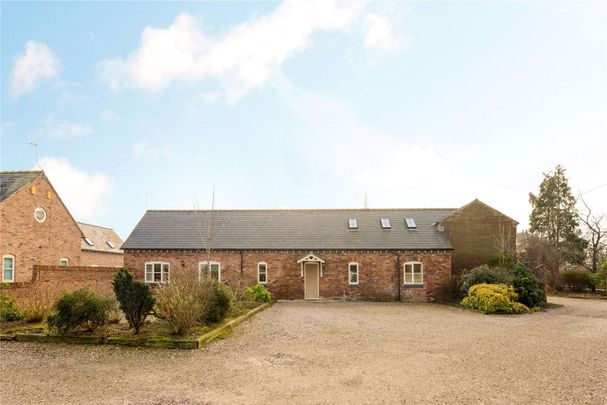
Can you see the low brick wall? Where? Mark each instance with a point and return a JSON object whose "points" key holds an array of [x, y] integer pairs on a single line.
{"points": [[62, 279]]}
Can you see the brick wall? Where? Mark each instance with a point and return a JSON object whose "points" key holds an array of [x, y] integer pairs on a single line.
{"points": [[476, 230], [63, 279], [377, 270], [30, 241], [91, 258]]}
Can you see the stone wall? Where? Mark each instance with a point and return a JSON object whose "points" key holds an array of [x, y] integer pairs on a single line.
{"points": [[379, 275]]}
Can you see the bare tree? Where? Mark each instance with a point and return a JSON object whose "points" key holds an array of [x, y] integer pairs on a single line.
{"points": [[542, 258], [596, 233], [207, 230]]}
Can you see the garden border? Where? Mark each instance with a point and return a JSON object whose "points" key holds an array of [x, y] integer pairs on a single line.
{"points": [[164, 342]]}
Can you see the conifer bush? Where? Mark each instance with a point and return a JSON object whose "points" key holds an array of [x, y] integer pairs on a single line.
{"points": [[135, 299], [526, 286]]}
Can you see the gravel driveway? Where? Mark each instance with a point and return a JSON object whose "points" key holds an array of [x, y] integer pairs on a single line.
{"points": [[336, 352]]}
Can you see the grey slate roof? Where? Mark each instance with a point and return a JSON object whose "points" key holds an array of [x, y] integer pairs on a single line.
{"points": [[99, 235], [10, 182], [309, 229]]}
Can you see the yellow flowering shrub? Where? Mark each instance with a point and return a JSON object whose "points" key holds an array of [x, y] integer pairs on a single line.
{"points": [[494, 299]]}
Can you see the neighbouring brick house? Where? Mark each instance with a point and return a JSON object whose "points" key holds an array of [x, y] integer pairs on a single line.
{"points": [[36, 228], [399, 254]]}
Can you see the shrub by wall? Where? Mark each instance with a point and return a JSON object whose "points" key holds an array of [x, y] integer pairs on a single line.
{"points": [[258, 293], [79, 309], [493, 299]]}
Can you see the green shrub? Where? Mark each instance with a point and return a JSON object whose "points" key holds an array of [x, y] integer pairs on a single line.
{"points": [[79, 309], [576, 280], [258, 293], [526, 287], [8, 309], [493, 299], [599, 278], [220, 303], [134, 297], [483, 275]]}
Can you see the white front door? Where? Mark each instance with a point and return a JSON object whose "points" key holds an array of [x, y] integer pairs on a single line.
{"points": [[311, 281]]}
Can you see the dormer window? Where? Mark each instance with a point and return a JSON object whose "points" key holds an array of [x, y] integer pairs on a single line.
{"points": [[89, 242], [110, 244], [385, 223], [352, 223], [410, 223]]}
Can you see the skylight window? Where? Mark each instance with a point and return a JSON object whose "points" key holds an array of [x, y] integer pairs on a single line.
{"points": [[89, 242], [110, 244], [385, 223], [352, 223], [411, 223]]}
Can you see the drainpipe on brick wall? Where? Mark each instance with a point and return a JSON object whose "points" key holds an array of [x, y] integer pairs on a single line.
{"points": [[241, 261], [397, 274]]}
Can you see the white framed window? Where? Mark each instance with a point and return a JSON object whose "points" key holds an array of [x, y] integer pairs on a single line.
{"points": [[353, 273], [110, 244], [8, 268], [414, 273], [262, 273], [385, 223], [210, 269], [157, 272], [40, 214], [352, 223], [63, 262], [89, 242]]}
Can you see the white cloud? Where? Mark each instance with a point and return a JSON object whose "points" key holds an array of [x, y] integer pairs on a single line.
{"points": [[380, 35], [65, 129], [37, 64], [143, 150], [248, 55], [83, 193], [109, 116]]}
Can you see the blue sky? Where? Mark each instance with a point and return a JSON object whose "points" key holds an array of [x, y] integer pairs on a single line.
{"points": [[297, 105]]}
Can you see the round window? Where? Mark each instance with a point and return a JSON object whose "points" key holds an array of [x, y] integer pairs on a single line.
{"points": [[40, 214]]}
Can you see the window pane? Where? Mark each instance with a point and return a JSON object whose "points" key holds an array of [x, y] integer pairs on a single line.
{"points": [[8, 263], [8, 274], [417, 268], [215, 271], [408, 268], [353, 278], [417, 278], [204, 267], [262, 277], [408, 278]]}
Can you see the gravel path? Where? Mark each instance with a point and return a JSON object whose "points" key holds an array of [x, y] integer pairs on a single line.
{"points": [[328, 353]]}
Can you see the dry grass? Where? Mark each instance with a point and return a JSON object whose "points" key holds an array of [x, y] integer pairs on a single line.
{"points": [[38, 305]]}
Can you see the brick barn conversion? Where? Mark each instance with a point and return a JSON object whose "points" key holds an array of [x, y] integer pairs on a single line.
{"points": [[396, 254], [37, 229]]}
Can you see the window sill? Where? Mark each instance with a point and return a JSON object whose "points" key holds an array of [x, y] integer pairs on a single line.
{"points": [[353, 285], [413, 285]]}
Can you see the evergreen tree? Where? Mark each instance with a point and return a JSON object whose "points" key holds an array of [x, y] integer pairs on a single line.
{"points": [[554, 216]]}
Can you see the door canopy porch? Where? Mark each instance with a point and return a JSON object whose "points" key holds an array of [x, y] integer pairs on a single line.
{"points": [[311, 258]]}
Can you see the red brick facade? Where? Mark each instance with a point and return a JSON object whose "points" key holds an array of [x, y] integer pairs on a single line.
{"points": [[32, 242], [380, 272]]}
